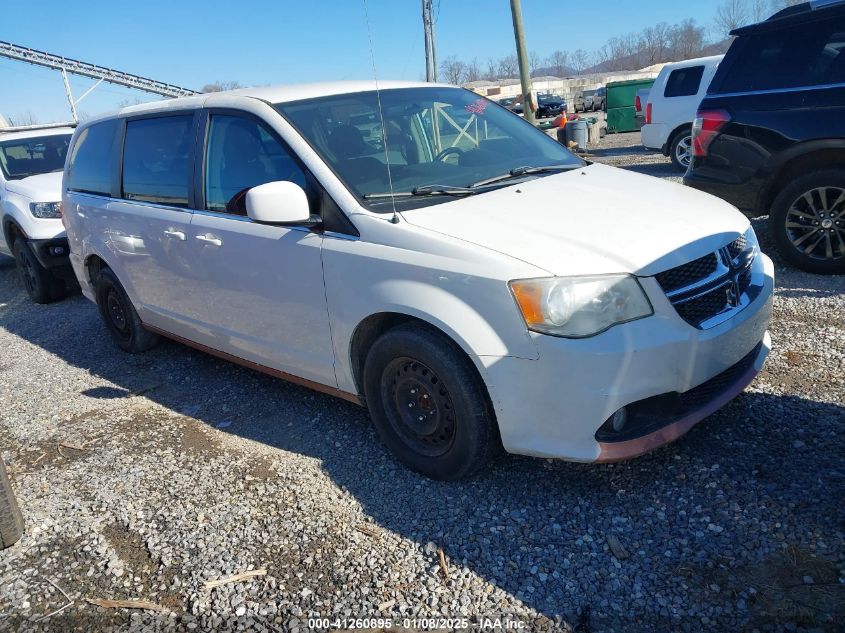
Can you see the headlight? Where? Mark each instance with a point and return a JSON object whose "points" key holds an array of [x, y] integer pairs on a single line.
{"points": [[579, 306], [46, 209]]}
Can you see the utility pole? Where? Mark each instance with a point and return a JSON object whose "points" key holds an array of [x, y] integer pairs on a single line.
{"points": [[428, 75], [430, 42], [522, 57]]}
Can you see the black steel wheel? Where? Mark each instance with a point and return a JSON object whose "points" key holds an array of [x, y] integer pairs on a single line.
{"points": [[428, 403], [40, 284], [119, 315]]}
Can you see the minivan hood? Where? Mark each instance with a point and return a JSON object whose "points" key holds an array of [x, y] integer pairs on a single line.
{"points": [[593, 220], [38, 188]]}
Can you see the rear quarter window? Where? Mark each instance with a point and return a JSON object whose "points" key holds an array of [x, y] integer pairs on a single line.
{"points": [[90, 163], [810, 54], [684, 82]]}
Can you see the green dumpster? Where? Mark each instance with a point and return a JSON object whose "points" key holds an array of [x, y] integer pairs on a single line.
{"points": [[621, 112]]}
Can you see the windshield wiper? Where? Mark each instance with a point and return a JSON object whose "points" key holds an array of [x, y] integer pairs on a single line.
{"points": [[517, 172], [425, 190]]}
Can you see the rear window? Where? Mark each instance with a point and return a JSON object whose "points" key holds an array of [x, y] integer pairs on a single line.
{"points": [[684, 82], [90, 164], [156, 160], [809, 54]]}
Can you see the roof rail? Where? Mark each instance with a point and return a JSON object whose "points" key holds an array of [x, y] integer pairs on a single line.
{"points": [[37, 126]]}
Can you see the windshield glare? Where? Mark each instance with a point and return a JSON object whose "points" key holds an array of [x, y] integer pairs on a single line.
{"points": [[24, 157], [435, 136]]}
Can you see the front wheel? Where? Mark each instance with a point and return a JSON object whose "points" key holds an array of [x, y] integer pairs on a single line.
{"points": [[428, 403], [680, 150], [120, 315], [807, 222], [40, 284]]}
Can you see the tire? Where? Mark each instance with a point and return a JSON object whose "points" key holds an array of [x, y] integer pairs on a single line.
{"points": [[807, 222], [40, 284], [417, 367], [11, 520], [120, 315], [680, 149]]}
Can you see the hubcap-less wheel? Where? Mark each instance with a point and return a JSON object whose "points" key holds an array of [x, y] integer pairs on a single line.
{"points": [[27, 271], [117, 313], [683, 151], [815, 223], [421, 414]]}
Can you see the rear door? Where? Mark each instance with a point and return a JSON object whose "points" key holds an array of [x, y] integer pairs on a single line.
{"points": [[681, 96], [263, 284], [147, 229]]}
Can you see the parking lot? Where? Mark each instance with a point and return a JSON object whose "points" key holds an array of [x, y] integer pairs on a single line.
{"points": [[142, 477]]}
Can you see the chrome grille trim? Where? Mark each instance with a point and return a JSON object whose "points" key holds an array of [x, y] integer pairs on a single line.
{"points": [[718, 296]]}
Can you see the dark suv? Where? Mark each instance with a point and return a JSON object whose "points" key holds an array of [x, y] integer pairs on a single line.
{"points": [[769, 137]]}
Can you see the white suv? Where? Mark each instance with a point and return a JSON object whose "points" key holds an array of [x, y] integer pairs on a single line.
{"points": [[425, 252], [31, 164], [672, 103]]}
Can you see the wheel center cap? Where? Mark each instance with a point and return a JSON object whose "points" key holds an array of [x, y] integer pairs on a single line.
{"points": [[827, 223]]}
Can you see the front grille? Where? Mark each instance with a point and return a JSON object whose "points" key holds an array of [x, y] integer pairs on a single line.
{"points": [[696, 311], [737, 246], [688, 273], [710, 285], [716, 386]]}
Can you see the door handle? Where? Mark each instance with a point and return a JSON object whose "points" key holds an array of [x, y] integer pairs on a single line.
{"points": [[210, 239], [177, 235]]}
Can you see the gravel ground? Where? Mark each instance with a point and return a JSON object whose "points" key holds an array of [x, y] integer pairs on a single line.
{"points": [[142, 477]]}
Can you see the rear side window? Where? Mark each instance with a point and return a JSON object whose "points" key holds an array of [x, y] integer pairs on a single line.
{"points": [[684, 82], [156, 160], [90, 165], [242, 153], [811, 54]]}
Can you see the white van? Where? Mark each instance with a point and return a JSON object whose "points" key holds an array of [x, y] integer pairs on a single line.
{"points": [[672, 103], [31, 163], [425, 252]]}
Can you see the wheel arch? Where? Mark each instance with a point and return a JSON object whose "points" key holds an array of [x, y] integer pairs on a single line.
{"points": [[801, 160], [671, 138], [11, 231], [373, 326]]}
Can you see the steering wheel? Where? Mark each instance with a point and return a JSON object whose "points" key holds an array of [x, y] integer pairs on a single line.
{"points": [[447, 152]]}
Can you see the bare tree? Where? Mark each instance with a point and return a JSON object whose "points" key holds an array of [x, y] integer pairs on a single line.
{"points": [[472, 71], [453, 70], [508, 66], [221, 86], [534, 63], [24, 118], [686, 40], [579, 61], [730, 15], [653, 44], [492, 69], [558, 62]]}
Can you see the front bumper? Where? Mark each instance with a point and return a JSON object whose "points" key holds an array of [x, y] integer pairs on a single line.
{"points": [[554, 406], [51, 253]]}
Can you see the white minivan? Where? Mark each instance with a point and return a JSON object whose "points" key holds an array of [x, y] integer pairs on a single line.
{"points": [[423, 251], [673, 101]]}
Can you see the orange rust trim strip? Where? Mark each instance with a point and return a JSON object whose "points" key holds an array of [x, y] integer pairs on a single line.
{"points": [[303, 382], [617, 451]]}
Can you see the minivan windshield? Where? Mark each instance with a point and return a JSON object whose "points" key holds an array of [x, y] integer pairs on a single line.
{"points": [[24, 157], [440, 143]]}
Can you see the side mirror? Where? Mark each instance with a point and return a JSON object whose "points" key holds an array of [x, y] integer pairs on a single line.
{"points": [[279, 202]]}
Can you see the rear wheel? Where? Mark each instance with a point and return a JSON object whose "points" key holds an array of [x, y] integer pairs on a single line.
{"points": [[680, 150], [120, 316], [40, 284], [807, 222], [429, 404]]}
